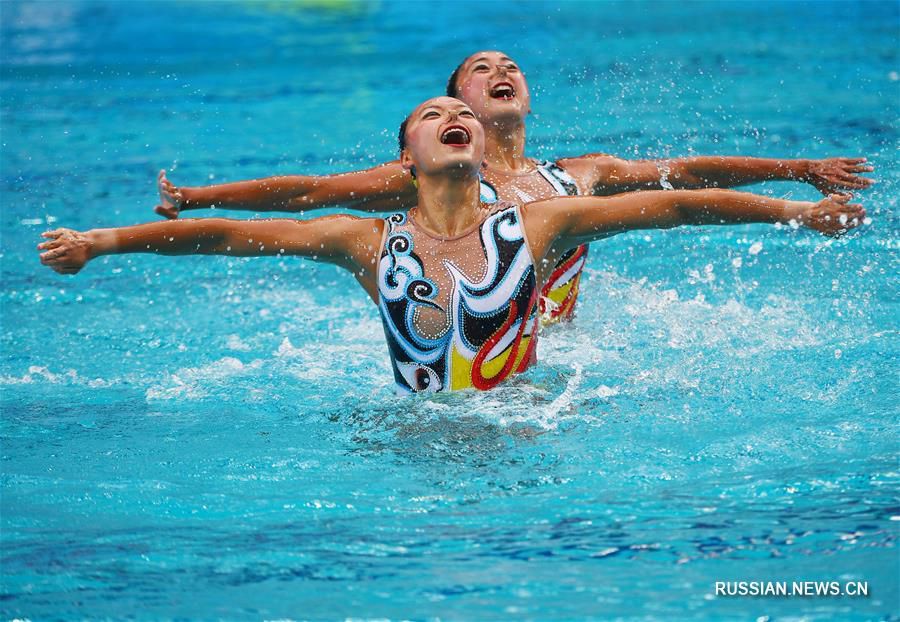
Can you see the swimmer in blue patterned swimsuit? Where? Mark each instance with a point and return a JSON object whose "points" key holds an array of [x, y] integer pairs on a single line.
{"points": [[495, 88], [456, 280]]}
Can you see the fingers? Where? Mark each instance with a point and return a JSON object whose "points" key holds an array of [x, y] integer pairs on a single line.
{"points": [[853, 182], [52, 234], [852, 219], [840, 197], [844, 179], [844, 219], [164, 210], [850, 177], [49, 245], [53, 255], [165, 185], [170, 189], [848, 166]]}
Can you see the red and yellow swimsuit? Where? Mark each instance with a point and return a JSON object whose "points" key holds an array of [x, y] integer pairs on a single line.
{"points": [[560, 292]]}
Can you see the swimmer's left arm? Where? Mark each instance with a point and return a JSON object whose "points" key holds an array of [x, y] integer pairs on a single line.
{"points": [[342, 240], [610, 175], [568, 222]]}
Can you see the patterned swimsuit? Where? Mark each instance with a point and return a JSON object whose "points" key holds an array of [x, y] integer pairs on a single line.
{"points": [[560, 292], [458, 312]]}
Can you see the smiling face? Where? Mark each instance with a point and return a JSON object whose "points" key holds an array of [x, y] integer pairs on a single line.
{"points": [[442, 135], [494, 86]]}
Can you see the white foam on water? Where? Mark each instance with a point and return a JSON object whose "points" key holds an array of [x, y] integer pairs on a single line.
{"points": [[42, 374], [196, 382], [566, 398], [235, 342], [781, 323], [287, 349]]}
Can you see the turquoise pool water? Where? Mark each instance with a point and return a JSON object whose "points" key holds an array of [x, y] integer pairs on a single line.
{"points": [[218, 438]]}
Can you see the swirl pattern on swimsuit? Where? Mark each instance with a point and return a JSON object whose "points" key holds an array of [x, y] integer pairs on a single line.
{"points": [[461, 312]]}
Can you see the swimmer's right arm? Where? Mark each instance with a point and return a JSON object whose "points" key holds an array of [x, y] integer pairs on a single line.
{"points": [[343, 240], [383, 188]]}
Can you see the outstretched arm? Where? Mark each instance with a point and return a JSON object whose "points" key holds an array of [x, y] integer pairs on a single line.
{"points": [[568, 222], [610, 175], [343, 240], [382, 188]]}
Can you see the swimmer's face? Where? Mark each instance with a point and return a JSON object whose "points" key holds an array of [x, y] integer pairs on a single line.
{"points": [[494, 86], [443, 136]]}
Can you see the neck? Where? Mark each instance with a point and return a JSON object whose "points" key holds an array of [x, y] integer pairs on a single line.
{"points": [[449, 205], [504, 145]]}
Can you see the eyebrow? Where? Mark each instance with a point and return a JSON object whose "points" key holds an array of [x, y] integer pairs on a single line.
{"points": [[462, 108], [485, 58]]}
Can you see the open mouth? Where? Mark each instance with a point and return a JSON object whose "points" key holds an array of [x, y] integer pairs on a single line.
{"points": [[456, 135], [503, 90]]}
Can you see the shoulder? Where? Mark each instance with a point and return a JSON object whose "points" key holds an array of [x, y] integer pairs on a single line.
{"points": [[588, 168], [537, 210], [352, 228], [605, 172], [390, 177], [386, 168], [589, 162], [392, 169], [358, 239]]}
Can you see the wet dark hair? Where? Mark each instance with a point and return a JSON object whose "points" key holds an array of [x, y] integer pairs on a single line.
{"points": [[401, 137], [401, 140], [452, 91]]}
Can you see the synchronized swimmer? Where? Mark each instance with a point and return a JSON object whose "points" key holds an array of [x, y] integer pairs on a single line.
{"points": [[457, 279], [495, 89]]}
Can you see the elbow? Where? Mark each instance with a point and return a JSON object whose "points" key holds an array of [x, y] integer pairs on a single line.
{"points": [[214, 234], [680, 176]]}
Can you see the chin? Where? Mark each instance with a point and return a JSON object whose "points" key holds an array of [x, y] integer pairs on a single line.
{"points": [[462, 169], [461, 166], [498, 109]]}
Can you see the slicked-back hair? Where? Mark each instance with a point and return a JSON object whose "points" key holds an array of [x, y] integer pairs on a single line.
{"points": [[401, 137], [452, 91], [401, 141]]}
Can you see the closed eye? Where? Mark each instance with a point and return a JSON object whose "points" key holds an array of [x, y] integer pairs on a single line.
{"points": [[431, 114], [480, 67], [467, 113]]}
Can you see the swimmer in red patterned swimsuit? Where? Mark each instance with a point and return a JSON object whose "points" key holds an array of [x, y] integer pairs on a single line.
{"points": [[456, 279]]}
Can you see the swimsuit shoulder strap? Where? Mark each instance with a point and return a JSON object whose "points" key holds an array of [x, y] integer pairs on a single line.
{"points": [[488, 192], [558, 177]]}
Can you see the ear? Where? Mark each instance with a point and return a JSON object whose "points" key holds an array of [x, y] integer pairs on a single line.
{"points": [[406, 160]]}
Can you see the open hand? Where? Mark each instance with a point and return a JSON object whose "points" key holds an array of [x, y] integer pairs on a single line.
{"points": [[836, 174], [65, 250], [170, 197], [834, 215]]}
